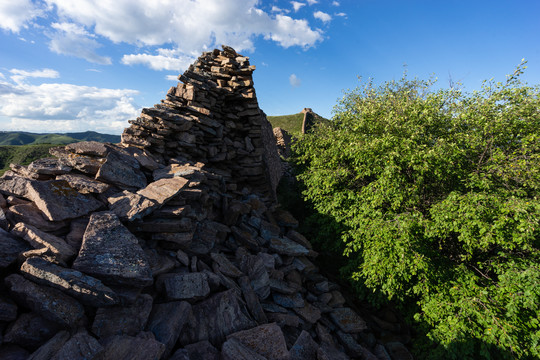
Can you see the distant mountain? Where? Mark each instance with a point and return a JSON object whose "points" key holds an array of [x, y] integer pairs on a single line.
{"points": [[27, 138]]}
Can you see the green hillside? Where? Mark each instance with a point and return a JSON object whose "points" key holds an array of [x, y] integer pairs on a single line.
{"points": [[21, 154], [27, 138], [291, 123]]}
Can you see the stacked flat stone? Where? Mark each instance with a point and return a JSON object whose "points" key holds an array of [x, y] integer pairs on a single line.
{"points": [[127, 252], [213, 117]]}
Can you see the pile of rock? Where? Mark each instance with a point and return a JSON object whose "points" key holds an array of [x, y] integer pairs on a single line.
{"points": [[213, 117], [124, 252]]}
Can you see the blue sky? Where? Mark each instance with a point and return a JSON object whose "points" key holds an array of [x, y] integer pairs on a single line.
{"points": [[77, 65]]}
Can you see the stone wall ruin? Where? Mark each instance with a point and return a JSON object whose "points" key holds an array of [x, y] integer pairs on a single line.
{"points": [[169, 245]]}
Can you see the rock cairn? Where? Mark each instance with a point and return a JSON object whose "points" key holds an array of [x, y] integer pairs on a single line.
{"points": [[143, 251]]}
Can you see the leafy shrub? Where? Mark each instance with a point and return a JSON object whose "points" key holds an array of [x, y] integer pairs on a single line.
{"points": [[438, 195]]}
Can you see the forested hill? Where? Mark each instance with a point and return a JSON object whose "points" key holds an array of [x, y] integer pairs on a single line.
{"points": [[27, 138]]}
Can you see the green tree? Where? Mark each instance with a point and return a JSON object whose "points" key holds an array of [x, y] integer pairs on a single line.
{"points": [[438, 194]]}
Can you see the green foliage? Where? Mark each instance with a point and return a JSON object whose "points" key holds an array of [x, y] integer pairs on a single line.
{"points": [[436, 193], [22, 154]]}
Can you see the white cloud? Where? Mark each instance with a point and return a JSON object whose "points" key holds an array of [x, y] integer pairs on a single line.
{"points": [[279, 10], [21, 75], [72, 39], [190, 25], [16, 14], [312, 2], [324, 17], [341, 14], [64, 107], [171, 77], [162, 61], [335, 3], [297, 5], [294, 81]]}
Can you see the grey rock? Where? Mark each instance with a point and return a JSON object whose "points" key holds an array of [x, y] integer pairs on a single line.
{"points": [[284, 246], [14, 185], [88, 290], [167, 321], [111, 253], [347, 320], [144, 158], [122, 320], [59, 201], [80, 346], [84, 184], [273, 308], [122, 171], [309, 313], [49, 166], [226, 266], [299, 238], [86, 164], [202, 350], [8, 309], [51, 347], [76, 232], [191, 286], [92, 148], [266, 340], [381, 353], [289, 301], [163, 190], [30, 330], [353, 348], [252, 301], [29, 214], [216, 317], [50, 303], [233, 349], [39, 239], [160, 263], [180, 354], [284, 319], [10, 248], [328, 352], [305, 348], [283, 287], [130, 206], [182, 239], [131, 348]]}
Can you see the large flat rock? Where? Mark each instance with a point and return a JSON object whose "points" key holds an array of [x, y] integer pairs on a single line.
{"points": [[167, 321], [285, 246], [122, 320], [266, 340], [216, 317], [39, 239], [30, 214], [8, 309], [59, 201], [113, 254], [121, 170], [50, 303], [163, 190], [233, 349], [51, 347], [80, 346], [30, 330], [88, 290], [84, 184], [10, 248]]}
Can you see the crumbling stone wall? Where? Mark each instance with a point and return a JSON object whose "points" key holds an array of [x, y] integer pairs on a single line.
{"points": [[149, 250], [213, 117]]}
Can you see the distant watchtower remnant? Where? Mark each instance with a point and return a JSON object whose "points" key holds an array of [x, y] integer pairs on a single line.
{"points": [[309, 119]]}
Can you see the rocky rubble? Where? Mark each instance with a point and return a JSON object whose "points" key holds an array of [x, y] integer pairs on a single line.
{"points": [[170, 244]]}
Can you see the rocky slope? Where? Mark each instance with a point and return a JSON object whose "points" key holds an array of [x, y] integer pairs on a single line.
{"points": [[170, 244]]}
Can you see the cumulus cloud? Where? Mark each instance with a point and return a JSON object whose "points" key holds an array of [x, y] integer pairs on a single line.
{"points": [[171, 77], [297, 5], [72, 39], [279, 10], [335, 3], [16, 14], [294, 81], [190, 25], [312, 2], [165, 60], [63, 107], [324, 17]]}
